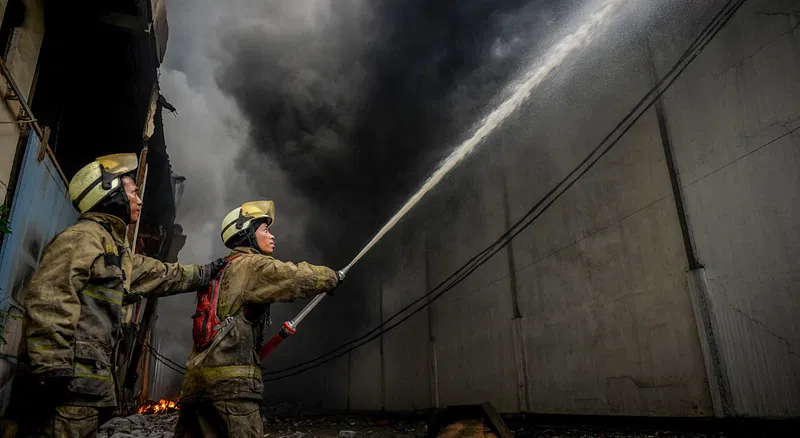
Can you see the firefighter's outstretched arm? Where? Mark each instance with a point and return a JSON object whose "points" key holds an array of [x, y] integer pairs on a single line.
{"points": [[276, 281], [151, 278]]}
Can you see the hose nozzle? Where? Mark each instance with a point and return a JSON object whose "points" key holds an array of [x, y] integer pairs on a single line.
{"points": [[343, 272]]}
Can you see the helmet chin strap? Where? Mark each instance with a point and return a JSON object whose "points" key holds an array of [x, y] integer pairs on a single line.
{"points": [[116, 204], [127, 207], [121, 198], [251, 239], [251, 236]]}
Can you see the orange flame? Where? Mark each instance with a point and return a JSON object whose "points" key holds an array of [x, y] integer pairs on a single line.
{"points": [[153, 407]]}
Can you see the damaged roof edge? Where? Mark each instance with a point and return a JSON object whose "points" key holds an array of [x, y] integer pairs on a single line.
{"points": [[158, 16]]}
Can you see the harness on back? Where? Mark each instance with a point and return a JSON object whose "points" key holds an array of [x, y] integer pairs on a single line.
{"points": [[208, 329], [205, 321]]}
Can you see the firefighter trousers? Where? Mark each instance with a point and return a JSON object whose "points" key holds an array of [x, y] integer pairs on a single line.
{"points": [[58, 422], [222, 418]]}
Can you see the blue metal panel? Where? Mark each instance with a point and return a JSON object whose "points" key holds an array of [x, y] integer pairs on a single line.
{"points": [[40, 209]]}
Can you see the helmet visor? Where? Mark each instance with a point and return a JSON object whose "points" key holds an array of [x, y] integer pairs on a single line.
{"points": [[259, 210], [119, 164]]}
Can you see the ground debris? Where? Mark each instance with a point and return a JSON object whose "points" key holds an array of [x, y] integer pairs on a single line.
{"points": [[162, 425], [599, 433], [140, 426], [342, 426]]}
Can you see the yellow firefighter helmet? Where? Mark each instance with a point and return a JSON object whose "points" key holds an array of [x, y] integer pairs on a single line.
{"points": [[96, 180], [251, 213]]}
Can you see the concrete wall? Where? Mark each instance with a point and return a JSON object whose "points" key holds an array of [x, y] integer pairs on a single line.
{"points": [[21, 61], [596, 317], [590, 309], [732, 119]]}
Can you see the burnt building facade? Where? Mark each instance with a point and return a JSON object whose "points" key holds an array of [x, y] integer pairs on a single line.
{"points": [[79, 81]]}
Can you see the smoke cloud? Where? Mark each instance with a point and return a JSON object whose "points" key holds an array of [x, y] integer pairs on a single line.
{"points": [[335, 110], [356, 101]]}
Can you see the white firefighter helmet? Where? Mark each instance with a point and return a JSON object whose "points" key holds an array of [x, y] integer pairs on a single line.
{"points": [[237, 222], [96, 180]]}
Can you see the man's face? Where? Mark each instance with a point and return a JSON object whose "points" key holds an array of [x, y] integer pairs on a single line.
{"points": [[265, 240], [133, 197]]}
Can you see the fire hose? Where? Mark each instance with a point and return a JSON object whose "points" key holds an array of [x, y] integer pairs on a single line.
{"points": [[290, 327]]}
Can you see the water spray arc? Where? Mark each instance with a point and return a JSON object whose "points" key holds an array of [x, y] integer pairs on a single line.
{"points": [[520, 90]]}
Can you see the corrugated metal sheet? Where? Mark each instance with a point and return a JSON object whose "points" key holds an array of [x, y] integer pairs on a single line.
{"points": [[41, 208]]}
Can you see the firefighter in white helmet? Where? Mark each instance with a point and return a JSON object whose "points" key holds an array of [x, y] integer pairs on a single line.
{"points": [[65, 383], [222, 388]]}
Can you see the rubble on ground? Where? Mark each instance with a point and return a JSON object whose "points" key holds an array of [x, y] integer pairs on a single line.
{"points": [[341, 427], [162, 425]]}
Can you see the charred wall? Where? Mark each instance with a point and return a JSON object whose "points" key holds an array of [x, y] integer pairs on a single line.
{"points": [[97, 76], [92, 82]]}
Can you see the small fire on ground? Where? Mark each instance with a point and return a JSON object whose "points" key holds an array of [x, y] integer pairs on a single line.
{"points": [[157, 407]]}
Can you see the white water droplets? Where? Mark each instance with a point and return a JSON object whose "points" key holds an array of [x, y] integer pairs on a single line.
{"points": [[520, 90]]}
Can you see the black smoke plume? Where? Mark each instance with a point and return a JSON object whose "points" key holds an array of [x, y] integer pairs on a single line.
{"points": [[358, 109], [347, 107]]}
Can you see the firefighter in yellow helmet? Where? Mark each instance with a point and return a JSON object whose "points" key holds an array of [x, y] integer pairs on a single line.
{"points": [[222, 388], [65, 383]]}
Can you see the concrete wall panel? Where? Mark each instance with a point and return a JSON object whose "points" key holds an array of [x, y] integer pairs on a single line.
{"points": [[474, 351], [627, 346], [724, 117], [366, 378], [336, 384], [475, 354], [406, 353], [750, 251], [366, 372]]}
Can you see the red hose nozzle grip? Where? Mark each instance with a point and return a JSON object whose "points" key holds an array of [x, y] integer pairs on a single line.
{"points": [[286, 331]]}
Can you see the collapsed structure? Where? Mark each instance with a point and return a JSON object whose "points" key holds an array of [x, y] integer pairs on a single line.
{"points": [[59, 115]]}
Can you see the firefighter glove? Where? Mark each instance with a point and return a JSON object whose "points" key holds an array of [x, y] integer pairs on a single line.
{"points": [[339, 279], [209, 271], [131, 298]]}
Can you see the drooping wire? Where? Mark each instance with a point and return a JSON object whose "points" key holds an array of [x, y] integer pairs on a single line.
{"points": [[165, 360], [697, 46]]}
